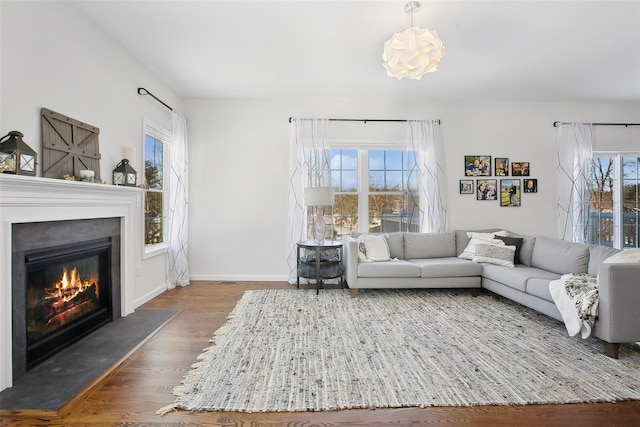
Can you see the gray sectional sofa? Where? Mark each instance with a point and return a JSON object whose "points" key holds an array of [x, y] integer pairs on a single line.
{"points": [[432, 260]]}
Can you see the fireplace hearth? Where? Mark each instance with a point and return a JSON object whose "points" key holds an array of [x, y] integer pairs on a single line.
{"points": [[66, 284]]}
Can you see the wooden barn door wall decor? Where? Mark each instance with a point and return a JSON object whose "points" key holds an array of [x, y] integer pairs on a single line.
{"points": [[68, 146]]}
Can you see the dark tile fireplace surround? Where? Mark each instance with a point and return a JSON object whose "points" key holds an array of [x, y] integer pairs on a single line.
{"points": [[37, 245]]}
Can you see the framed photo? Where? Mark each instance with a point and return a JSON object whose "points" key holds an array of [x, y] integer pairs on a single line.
{"points": [[487, 189], [520, 169], [477, 165], [530, 186], [509, 192], [466, 186], [502, 166]]}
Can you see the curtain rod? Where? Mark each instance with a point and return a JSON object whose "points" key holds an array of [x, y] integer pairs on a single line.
{"points": [[146, 92], [367, 120], [556, 124]]}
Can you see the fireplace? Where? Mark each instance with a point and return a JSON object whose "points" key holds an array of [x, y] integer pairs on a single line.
{"points": [[66, 284], [41, 202]]}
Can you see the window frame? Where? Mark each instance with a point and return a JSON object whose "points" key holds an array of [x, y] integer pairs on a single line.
{"points": [[362, 148], [163, 135], [617, 192]]}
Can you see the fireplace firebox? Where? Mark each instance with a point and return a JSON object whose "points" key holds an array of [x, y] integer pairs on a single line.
{"points": [[65, 285], [68, 295]]}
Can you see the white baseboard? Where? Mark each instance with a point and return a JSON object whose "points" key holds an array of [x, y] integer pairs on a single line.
{"points": [[150, 295]]}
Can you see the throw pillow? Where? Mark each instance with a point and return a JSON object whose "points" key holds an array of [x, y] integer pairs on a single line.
{"points": [[486, 236], [513, 241], [495, 254], [470, 251], [362, 249], [375, 247]]}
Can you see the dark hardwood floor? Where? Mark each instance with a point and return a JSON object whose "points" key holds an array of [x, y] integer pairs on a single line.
{"points": [[131, 393]]}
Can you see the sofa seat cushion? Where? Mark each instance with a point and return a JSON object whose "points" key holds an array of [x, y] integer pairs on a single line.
{"points": [[540, 287], [393, 268], [447, 267], [515, 277]]}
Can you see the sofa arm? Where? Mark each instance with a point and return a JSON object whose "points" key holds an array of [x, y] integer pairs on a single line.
{"points": [[350, 260], [619, 306]]}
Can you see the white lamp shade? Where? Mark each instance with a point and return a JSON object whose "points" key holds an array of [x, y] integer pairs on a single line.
{"points": [[318, 196], [412, 53]]}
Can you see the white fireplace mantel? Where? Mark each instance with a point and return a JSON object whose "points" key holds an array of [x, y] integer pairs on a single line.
{"points": [[26, 199]]}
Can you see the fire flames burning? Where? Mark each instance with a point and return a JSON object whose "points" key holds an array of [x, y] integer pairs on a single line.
{"points": [[69, 287]]}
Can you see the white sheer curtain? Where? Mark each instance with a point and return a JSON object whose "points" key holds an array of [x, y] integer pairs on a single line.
{"points": [[424, 138], [574, 161], [177, 214], [309, 166]]}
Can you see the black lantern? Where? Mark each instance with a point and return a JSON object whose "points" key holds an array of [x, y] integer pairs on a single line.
{"points": [[124, 174], [16, 156]]}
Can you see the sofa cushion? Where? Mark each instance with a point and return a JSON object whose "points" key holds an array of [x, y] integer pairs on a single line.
{"points": [[597, 255], [513, 241], [429, 245], [391, 269], [516, 277], [559, 256], [447, 267], [499, 254]]}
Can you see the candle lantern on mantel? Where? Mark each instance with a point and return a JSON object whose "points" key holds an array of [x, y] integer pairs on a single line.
{"points": [[124, 174], [16, 156]]}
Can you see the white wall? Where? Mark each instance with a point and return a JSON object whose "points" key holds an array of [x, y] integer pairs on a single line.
{"points": [[239, 151], [53, 56]]}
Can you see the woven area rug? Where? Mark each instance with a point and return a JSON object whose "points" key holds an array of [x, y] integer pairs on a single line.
{"points": [[293, 350]]}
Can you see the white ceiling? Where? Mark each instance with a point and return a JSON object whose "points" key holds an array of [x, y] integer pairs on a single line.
{"points": [[509, 50]]}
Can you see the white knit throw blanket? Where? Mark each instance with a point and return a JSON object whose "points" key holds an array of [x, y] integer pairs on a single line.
{"points": [[576, 296]]}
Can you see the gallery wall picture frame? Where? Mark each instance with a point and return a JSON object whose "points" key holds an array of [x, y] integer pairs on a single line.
{"points": [[477, 165], [501, 166], [530, 186], [520, 169], [510, 192], [487, 189], [466, 186]]}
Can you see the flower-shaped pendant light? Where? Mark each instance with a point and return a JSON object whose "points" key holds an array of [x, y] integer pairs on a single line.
{"points": [[413, 52]]}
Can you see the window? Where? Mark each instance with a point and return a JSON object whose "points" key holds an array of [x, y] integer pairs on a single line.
{"points": [[374, 191], [156, 140], [614, 208]]}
